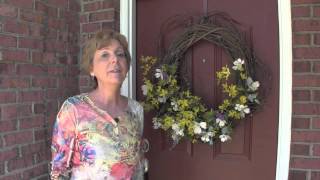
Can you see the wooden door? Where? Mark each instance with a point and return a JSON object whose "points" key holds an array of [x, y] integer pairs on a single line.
{"points": [[251, 155]]}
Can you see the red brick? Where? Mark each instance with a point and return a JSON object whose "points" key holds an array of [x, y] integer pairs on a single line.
{"points": [[43, 58], [9, 82], [317, 39], [34, 122], [316, 67], [316, 123], [14, 27], [15, 55], [7, 97], [91, 27], [304, 1], [30, 43], [300, 149], [7, 69], [56, 24], [49, 10], [53, 94], [8, 154], [83, 81], [56, 70], [31, 96], [21, 3], [12, 177], [36, 31], [301, 39], [20, 163], [305, 136], [301, 11], [101, 16], [92, 6], [55, 46], [109, 4], [316, 95], [35, 171], [305, 163], [108, 25], [306, 25], [8, 41], [305, 109], [33, 148], [300, 123], [58, 3], [6, 10], [30, 16], [18, 138], [31, 69], [315, 176], [301, 95], [84, 18], [24, 110], [316, 11], [306, 53], [39, 108], [44, 82], [52, 107], [297, 175], [6, 126], [9, 112], [74, 5], [306, 80], [316, 150], [40, 135]]}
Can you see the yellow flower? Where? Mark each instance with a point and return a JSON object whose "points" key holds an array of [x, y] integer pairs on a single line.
{"points": [[243, 99], [224, 105], [223, 74], [230, 89]]}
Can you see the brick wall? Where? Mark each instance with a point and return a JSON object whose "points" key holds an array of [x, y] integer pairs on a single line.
{"points": [[96, 15], [38, 70], [305, 146]]}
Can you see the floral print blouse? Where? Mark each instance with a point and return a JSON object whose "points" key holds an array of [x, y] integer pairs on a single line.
{"points": [[88, 144]]}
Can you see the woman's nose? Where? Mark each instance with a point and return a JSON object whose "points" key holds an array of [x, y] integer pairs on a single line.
{"points": [[114, 58]]}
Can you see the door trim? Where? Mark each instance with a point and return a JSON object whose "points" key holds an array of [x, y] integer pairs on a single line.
{"points": [[285, 91], [128, 27]]}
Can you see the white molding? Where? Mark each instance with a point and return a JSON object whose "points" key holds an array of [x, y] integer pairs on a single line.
{"points": [[127, 28], [285, 91]]}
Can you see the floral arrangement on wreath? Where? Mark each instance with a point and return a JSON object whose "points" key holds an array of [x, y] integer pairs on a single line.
{"points": [[182, 114]]}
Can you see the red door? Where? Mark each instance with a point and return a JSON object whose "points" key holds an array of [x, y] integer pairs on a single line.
{"points": [[251, 155]]}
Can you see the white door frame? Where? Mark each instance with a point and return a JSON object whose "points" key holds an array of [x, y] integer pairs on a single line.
{"points": [[128, 28]]}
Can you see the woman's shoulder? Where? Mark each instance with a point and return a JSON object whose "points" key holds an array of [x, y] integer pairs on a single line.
{"points": [[134, 103], [75, 100]]}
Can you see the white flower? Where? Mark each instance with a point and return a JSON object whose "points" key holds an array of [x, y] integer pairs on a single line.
{"points": [[175, 127], [246, 110], [197, 129], [174, 106], [159, 74], [221, 122], [203, 125], [205, 138], [224, 138], [253, 85], [144, 89], [252, 97], [237, 64], [162, 99], [156, 123]]}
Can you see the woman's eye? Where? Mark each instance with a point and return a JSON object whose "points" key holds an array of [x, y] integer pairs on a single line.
{"points": [[105, 55], [120, 54]]}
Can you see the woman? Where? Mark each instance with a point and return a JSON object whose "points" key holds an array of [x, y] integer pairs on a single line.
{"points": [[97, 134]]}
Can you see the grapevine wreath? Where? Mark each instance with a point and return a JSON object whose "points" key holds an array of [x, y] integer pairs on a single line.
{"points": [[180, 113]]}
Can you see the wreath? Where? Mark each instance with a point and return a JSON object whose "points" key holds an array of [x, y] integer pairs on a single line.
{"points": [[182, 114]]}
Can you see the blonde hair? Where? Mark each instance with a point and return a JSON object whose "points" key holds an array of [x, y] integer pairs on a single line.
{"points": [[100, 40]]}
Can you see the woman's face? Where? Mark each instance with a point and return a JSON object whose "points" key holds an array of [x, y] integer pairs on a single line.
{"points": [[110, 64]]}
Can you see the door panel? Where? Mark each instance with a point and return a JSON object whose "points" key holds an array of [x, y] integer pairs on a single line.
{"points": [[251, 154]]}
